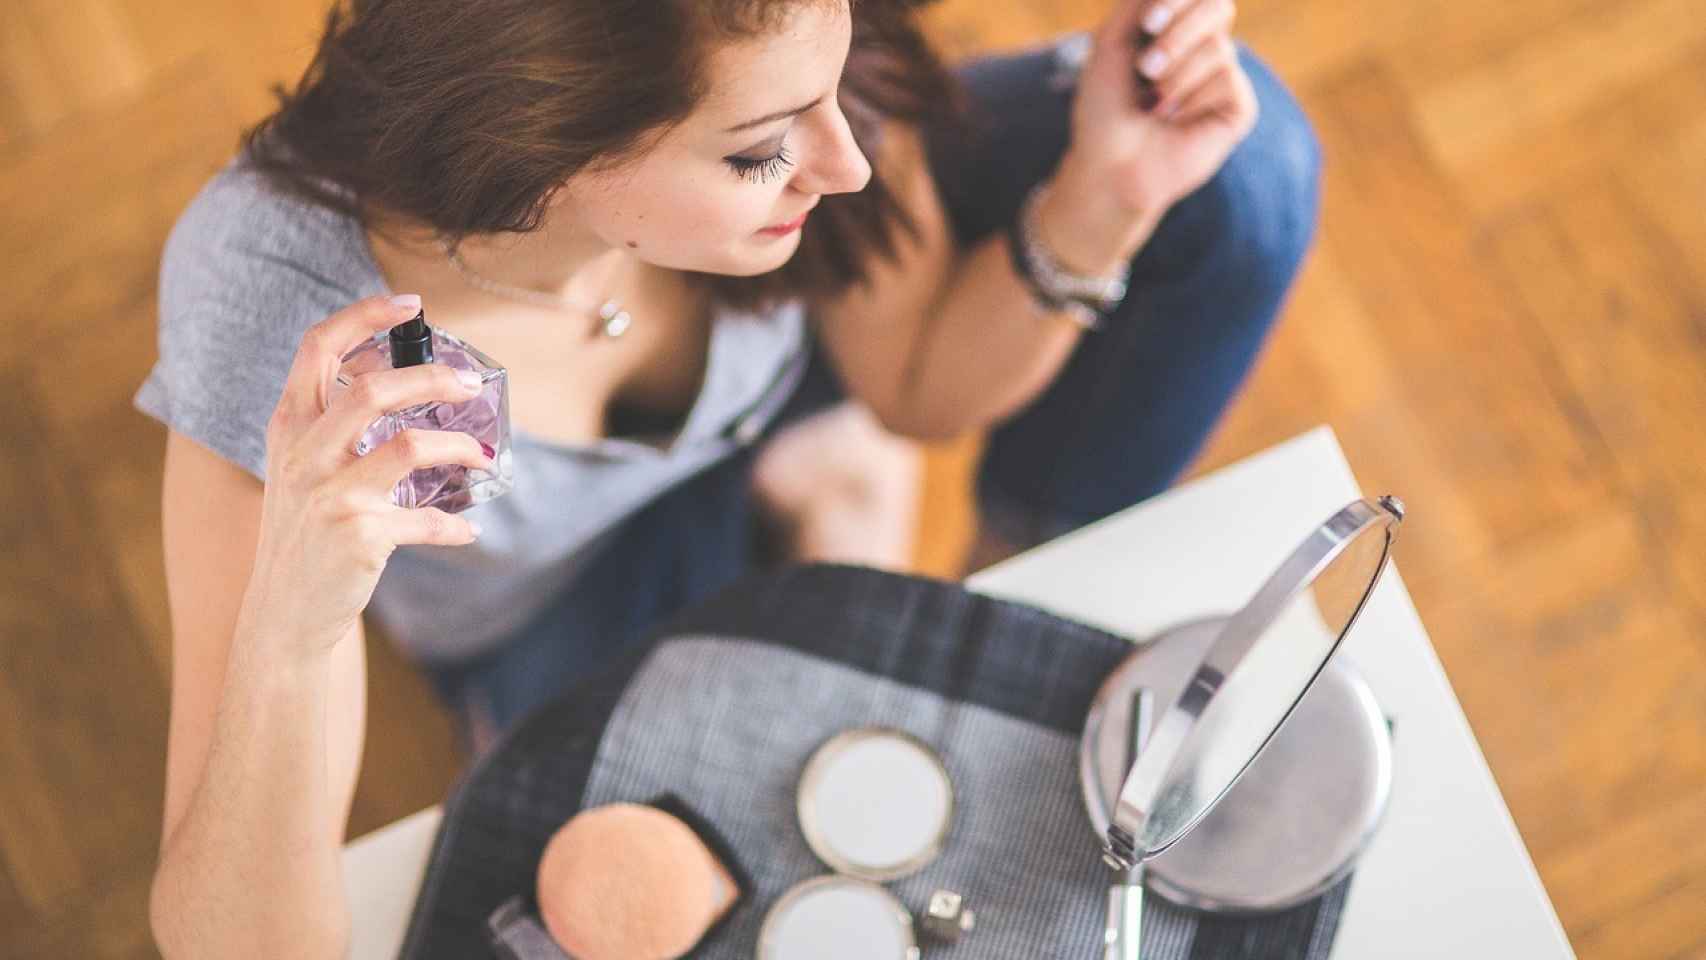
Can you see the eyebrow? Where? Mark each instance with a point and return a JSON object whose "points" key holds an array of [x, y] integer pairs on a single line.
{"points": [[773, 117]]}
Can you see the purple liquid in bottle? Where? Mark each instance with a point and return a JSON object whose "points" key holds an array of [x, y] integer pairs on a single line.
{"points": [[451, 487]]}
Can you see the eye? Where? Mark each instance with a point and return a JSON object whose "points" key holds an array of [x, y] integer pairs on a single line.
{"points": [[761, 169]]}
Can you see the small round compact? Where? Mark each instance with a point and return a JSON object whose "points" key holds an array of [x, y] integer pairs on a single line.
{"points": [[837, 918], [1206, 770], [875, 805]]}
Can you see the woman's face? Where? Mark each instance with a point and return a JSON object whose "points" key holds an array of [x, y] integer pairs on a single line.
{"points": [[727, 190]]}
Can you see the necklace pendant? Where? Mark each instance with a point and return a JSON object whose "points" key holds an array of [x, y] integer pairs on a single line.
{"points": [[616, 320]]}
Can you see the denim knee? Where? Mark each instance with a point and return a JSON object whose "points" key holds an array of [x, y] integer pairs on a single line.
{"points": [[1284, 147], [1135, 402]]}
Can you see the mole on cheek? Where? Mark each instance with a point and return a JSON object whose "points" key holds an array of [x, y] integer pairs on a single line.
{"points": [[632, 245]]}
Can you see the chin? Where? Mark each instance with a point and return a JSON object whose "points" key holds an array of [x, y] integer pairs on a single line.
{"points": [[756, 258]]}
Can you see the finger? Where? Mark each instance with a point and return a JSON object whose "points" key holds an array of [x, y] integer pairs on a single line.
{"points": [[411, 450], [1120, 31], [371, 395], [324, 345], [429, 525], [1216, 97], [1235, 105], [1154, 17], [1184, 32], [1198, 67]]}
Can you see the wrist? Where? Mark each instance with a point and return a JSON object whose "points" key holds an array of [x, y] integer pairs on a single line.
{"points": [[1093, 229], [279, 644]]}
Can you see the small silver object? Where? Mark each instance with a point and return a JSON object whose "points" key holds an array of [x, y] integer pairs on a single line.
{"points": [[1122, 934], [614, 321], [1084, 296], [946, 918]]}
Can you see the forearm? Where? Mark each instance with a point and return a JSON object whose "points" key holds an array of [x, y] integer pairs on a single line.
{"points": [[252, 867], [983, 350], [986, 347]]}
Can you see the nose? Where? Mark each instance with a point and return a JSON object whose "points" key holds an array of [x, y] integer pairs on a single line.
{"points": [[837, 165]]}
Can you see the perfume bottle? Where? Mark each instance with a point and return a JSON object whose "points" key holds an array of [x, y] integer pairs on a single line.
{"points": [[451, 487]]}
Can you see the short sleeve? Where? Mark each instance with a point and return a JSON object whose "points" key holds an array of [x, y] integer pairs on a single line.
{"points": [[208, 387], [244, 274]]}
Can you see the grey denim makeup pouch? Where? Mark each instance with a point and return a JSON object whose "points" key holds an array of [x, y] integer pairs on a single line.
{"points": [[723, 707]]}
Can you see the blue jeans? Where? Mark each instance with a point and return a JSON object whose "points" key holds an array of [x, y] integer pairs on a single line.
{"points": [[1121, 421]]}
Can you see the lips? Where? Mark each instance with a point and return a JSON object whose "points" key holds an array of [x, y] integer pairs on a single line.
{"points": [[783, 229]]}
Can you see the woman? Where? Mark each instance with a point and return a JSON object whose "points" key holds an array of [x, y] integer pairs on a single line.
{"points": [[511, 165]]}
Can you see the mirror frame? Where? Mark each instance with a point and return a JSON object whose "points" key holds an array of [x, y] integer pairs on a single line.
{"points": [[1171, 739]]}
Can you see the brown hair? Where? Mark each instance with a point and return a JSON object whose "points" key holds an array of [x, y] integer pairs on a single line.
{"points": [[465, 115]]}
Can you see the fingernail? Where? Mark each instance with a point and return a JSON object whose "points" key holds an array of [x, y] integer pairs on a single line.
{"points": [[409, 303], [1153, 63], [474, 528], [469, 379], [1157, 19]]}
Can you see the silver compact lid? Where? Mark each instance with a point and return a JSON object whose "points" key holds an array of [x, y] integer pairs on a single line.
{"points": [[837, 918], [1260, 665], [876, 803]]}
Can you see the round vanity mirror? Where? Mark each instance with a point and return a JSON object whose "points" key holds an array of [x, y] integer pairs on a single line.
{"points": [[875, 804], [1295, 822], [837, 918], [1249, 681]]}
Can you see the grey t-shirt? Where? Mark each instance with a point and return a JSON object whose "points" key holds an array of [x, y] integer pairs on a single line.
{"points": [[248, 269]]}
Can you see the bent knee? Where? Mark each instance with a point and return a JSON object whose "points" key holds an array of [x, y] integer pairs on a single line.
{"points": [[1275, 174]]}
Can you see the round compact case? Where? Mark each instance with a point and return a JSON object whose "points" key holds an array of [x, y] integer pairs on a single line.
{"points": [[766, 708]]}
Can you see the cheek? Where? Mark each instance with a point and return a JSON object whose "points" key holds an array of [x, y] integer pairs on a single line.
{"points": [[687, 214], [726, 209]]}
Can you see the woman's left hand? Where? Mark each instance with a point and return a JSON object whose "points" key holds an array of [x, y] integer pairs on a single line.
{"points": [[1152, 121]]}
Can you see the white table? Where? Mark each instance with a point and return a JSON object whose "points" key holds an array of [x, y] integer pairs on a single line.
{"points": [[1447, 874]]}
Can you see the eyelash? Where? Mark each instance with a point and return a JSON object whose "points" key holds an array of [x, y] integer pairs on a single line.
{"points": [[764, 170]]}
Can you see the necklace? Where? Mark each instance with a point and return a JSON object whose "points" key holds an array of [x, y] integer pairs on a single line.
{"points": [[613, 320]]}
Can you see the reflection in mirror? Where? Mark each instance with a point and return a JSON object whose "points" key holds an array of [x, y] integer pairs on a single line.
{"points": [[1264, 662]]}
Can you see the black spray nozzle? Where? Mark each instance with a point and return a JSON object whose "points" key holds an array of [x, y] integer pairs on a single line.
{"points": [[411, 342]]}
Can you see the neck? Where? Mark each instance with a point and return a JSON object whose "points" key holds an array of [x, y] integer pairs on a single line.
{"points": [[570, 264]]}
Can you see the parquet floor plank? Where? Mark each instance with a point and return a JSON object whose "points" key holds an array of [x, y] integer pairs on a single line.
{"points": [[1558, 69], [82, 705]]}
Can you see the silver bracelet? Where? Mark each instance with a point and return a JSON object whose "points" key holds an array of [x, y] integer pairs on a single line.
{"points": [[1055, 283]]}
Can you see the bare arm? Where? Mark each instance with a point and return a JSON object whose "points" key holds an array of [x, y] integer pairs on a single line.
{"points": [[944, 340], [267, 584], [261, 756], [938, 341]]}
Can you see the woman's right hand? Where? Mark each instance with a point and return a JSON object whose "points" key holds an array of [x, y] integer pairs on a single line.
{"points": [[328, 523]]}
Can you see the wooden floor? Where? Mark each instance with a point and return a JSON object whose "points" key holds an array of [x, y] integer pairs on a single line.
{"points": [[1505, 321]]}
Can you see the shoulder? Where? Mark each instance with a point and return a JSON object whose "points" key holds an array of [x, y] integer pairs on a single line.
{"points": [[244, 239], [246, 270], [260, 266]]}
